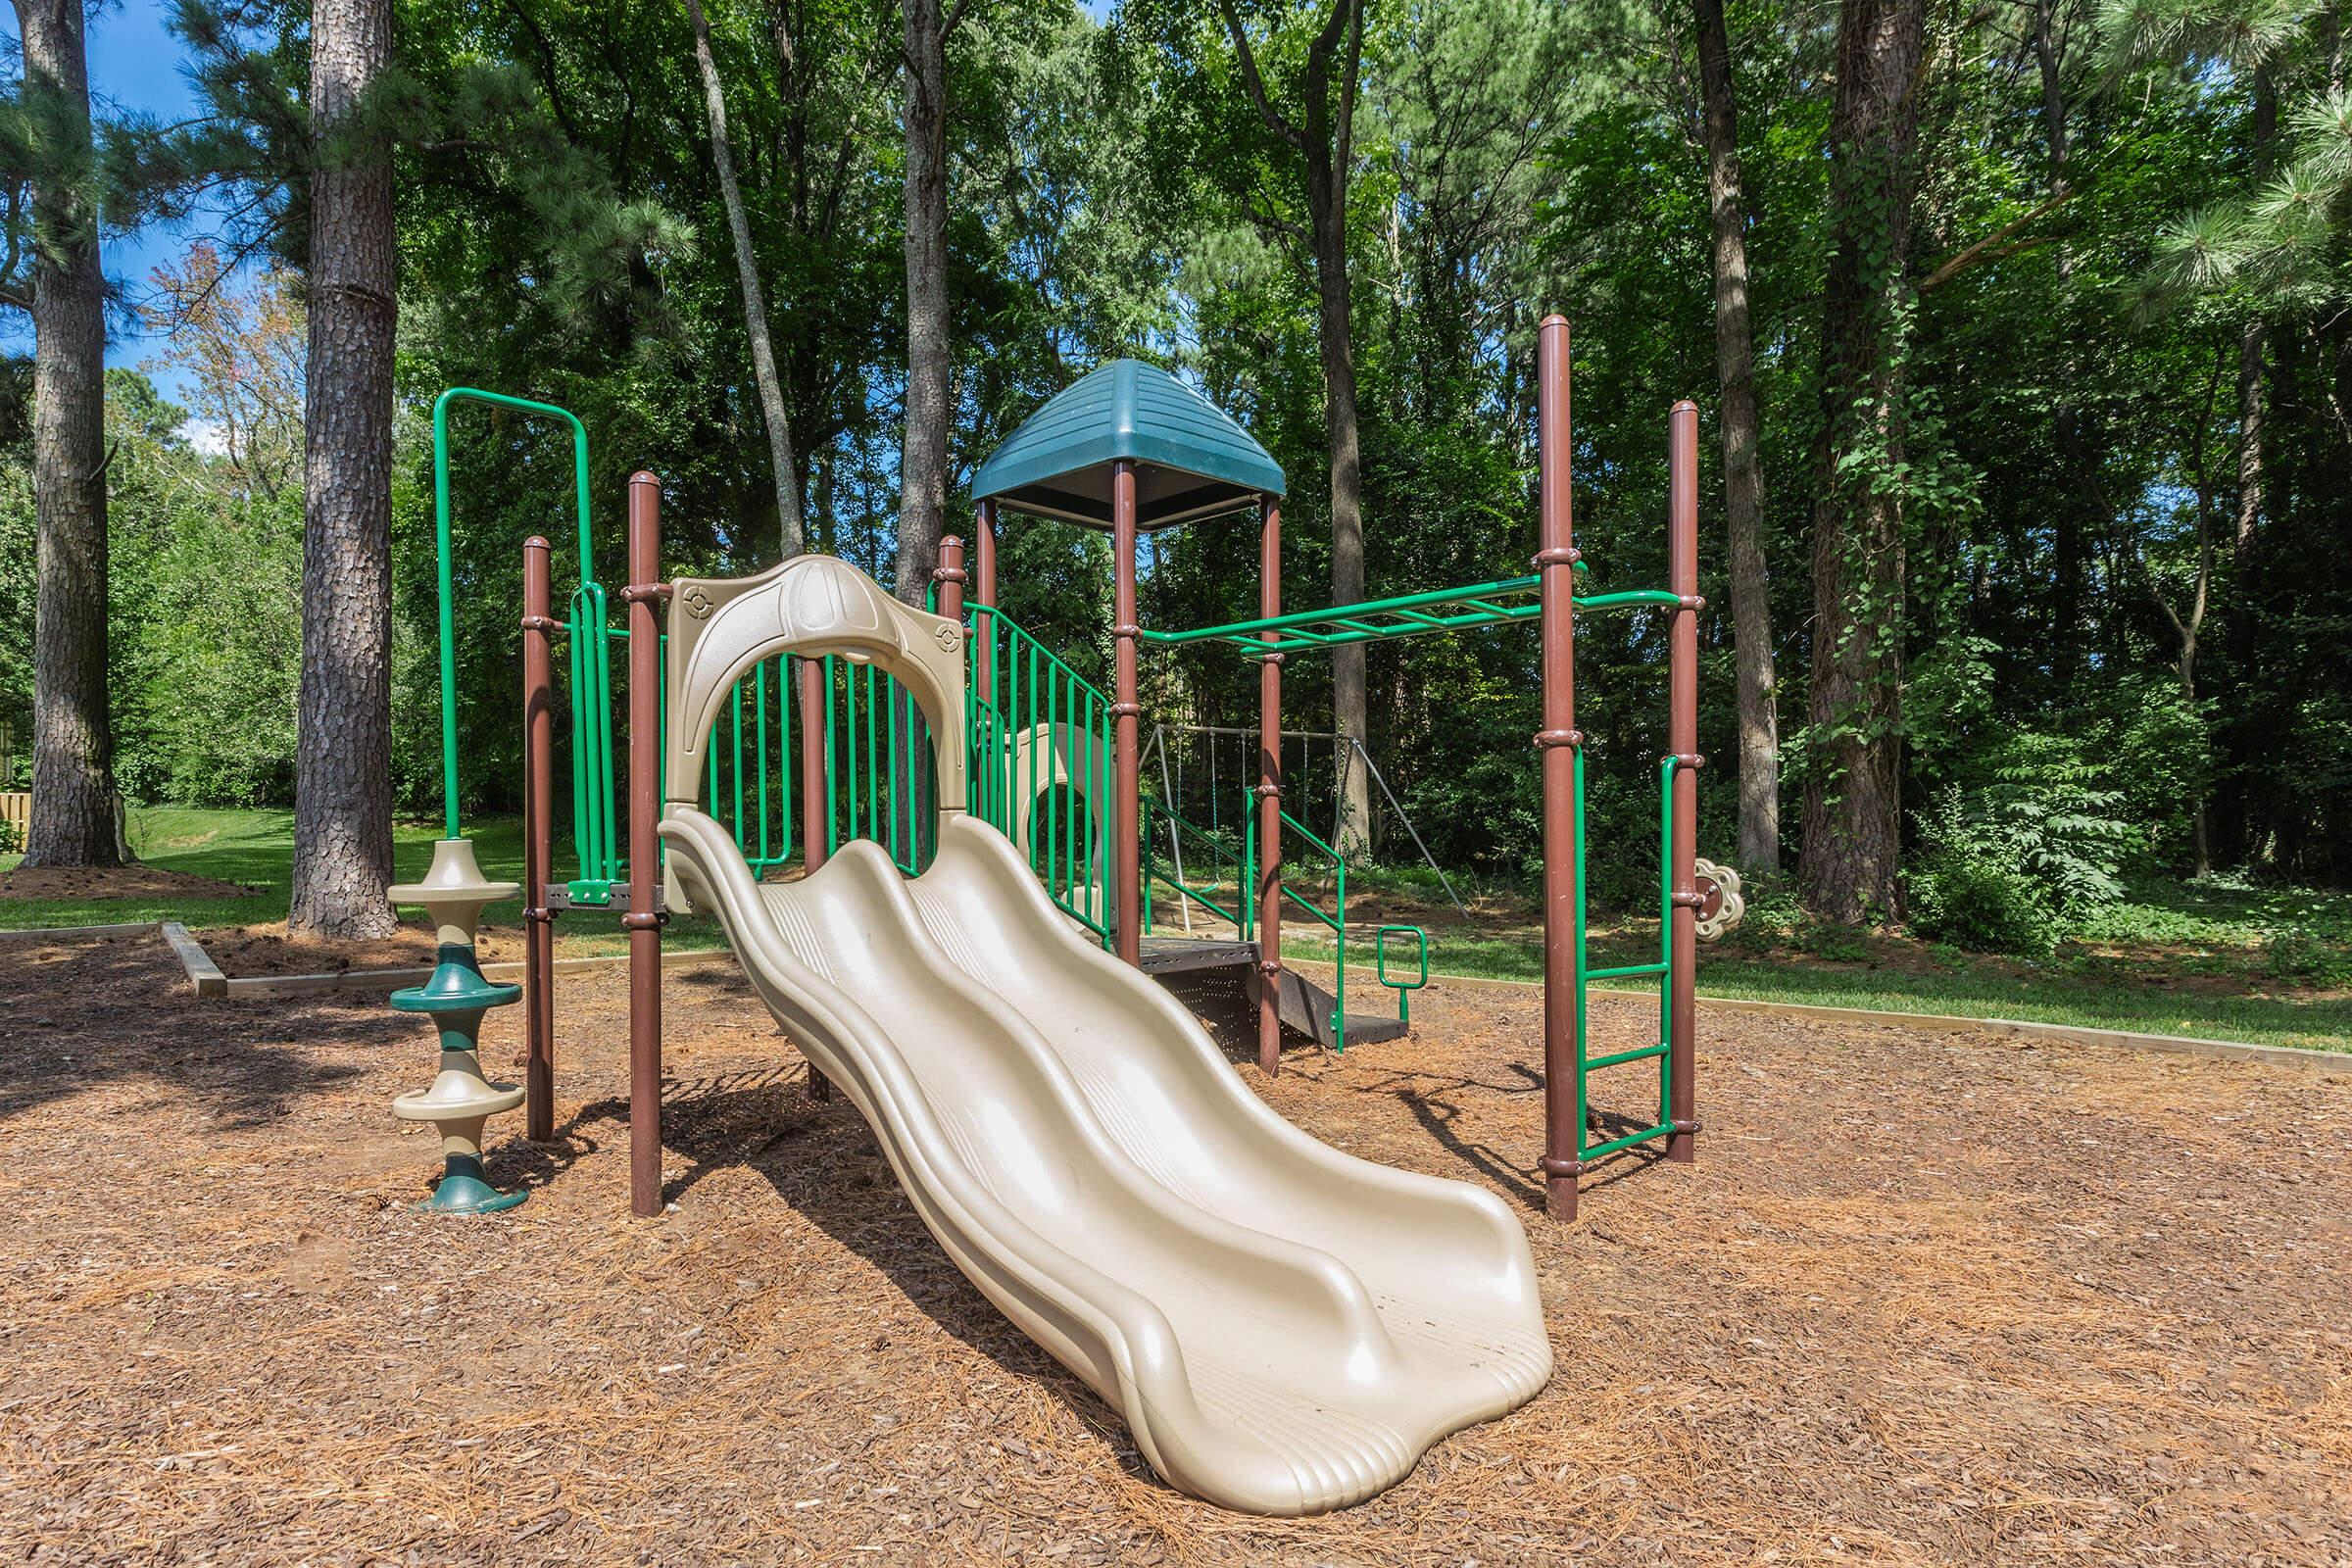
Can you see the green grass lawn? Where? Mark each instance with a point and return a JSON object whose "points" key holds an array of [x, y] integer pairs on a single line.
{"points": [[2270, 966], [252, 847], [256, 848]]}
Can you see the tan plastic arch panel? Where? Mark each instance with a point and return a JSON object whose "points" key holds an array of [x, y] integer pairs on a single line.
{"points": [[1283, 1326], [719, 627]]}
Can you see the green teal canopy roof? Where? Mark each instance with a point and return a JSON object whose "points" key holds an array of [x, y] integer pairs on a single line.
{"points": [[1192, 458]]}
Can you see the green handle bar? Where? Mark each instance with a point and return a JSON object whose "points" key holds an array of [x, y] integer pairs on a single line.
{"points": [[449, 619]]}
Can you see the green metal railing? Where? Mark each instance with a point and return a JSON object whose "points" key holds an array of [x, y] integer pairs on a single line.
{"points": [[1040, 764], [878, 765], [1189, 850], [1336, 918]]}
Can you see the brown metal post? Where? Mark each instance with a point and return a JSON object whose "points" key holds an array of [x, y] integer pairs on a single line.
{"points": [[950, 576], [815, 804], [1681, 735], [539, 627], [984, 589], [1269, 797], [1555, 560], [1126, 709], [644, 926]]}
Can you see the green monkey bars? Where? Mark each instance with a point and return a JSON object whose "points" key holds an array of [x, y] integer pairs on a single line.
{"points": [[1466, 608]]}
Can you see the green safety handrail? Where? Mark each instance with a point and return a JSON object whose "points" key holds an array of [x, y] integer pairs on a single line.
{"points": [[441, 543], [1336, 918], [1211, 848], [1405, 989]]}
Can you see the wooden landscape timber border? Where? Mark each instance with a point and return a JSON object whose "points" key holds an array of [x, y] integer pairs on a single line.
{"points": [[297, 985], [125, 928]]}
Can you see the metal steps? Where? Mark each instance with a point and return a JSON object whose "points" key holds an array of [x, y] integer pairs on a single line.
{"points": [[1304, 1006]]}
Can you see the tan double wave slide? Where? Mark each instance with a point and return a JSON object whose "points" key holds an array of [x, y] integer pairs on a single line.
{"points": [[1285, 1328]]}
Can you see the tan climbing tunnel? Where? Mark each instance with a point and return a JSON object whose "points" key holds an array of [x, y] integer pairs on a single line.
{"points": [[1283, 1326]]}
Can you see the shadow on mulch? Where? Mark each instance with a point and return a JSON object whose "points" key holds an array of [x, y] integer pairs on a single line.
{"points": [[117, 1036], [821, 1159]]}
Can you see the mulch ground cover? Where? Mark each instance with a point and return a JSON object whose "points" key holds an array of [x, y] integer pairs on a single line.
{"points": [[1923, 1299], [78, 882]]}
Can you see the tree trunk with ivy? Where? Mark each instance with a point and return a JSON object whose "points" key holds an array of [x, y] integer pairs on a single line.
{"points": [[1755, 676], [1323, 137], [923, 448], [1853, 794]]}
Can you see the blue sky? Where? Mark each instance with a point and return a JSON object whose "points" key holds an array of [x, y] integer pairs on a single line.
{"points": [[134, 65]]}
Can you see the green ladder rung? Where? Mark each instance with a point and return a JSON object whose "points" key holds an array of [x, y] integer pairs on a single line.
{"points": [[1624, 972], [1637, 1053], [1626, 1142]]}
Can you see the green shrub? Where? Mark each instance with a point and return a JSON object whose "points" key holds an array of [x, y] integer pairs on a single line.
{"points": [[1972, 898], [12, 839], [2030, 840], [1837, 944], [2307, 958]]}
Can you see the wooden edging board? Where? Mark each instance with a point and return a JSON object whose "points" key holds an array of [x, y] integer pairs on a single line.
{"points": [[34, 933], [203, 973], [297, 985]]}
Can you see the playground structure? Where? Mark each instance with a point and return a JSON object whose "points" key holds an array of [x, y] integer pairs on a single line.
{"points": [[1131, 450]]}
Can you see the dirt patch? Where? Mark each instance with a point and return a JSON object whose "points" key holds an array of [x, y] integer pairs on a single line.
{"points": [[113, 882], [1923, 1299]]}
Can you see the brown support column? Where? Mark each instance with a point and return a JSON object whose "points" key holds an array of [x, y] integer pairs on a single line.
{"points": [[539, 627], [1126, 710], [1555, 560], [1269, 797], [644, 926], [1681, 736], [816, 813], [950, 576], [984, 589]]}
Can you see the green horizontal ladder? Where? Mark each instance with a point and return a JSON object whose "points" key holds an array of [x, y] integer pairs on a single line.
{"points": [[1465, 609]]}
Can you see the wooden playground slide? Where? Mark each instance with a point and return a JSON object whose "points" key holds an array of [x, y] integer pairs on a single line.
{"points": [[1285, 1328]]}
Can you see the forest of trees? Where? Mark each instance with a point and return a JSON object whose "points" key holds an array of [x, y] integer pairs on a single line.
{"points": [[2019, 330]]}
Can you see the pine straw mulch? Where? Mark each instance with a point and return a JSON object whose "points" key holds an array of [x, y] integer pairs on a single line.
{"points": [[74, 882], [1925, 1299], [267, 949]]}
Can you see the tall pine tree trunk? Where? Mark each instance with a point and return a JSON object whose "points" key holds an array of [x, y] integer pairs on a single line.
{"points": [[73, 741], [789, 529], [343, 761], [923, 446], [1756, 679], [1853, 797], [924, 449], [1336, 333]]}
